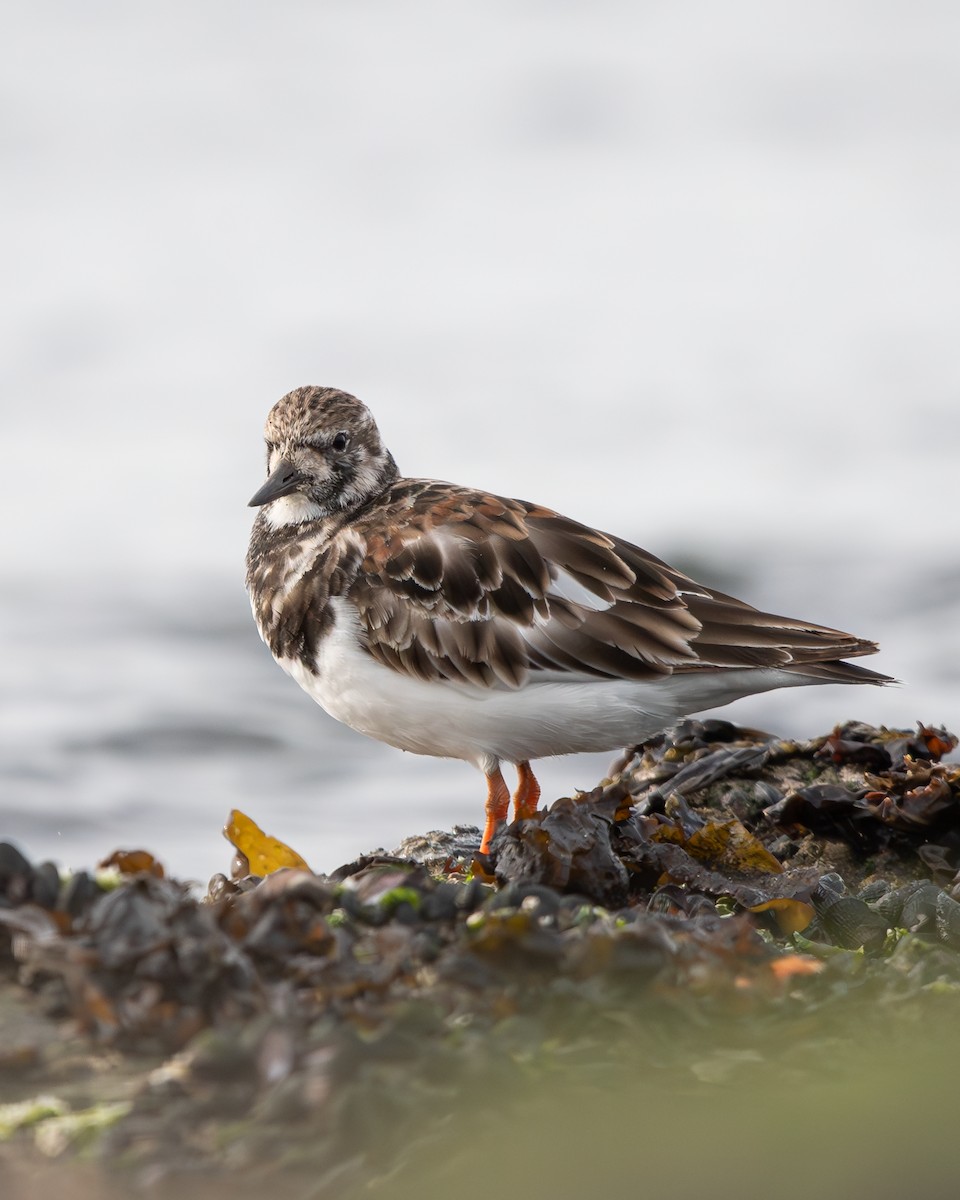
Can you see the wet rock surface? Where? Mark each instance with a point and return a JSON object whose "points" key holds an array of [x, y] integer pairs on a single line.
{"points": [[319, 1027]]}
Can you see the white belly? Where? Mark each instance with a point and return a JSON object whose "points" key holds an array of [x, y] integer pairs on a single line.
{"points": [[481, 725]]}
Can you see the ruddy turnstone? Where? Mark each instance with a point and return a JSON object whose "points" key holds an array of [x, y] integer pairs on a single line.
{"points": [[452, 622]]}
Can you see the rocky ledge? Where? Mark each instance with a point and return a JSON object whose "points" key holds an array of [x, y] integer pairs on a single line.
{"points": [[729, 906]]}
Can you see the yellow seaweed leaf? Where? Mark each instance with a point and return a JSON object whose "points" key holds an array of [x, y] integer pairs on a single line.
{"points": [[792, 916], [133, 862], [668, 833], [729, 844], [789, 966], [263, 852]]}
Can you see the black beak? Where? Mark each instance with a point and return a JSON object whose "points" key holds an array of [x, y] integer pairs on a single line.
{"points": [[282, 480]]}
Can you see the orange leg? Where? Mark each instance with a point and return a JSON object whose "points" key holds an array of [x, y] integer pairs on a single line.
{"points": [[498, 802], [527, 794]]}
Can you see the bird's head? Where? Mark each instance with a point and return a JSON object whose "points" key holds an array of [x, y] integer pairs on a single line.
{"points": [[324, 456]]}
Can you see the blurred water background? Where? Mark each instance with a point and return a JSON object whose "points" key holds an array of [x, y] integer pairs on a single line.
{"points": [[686, 272]]}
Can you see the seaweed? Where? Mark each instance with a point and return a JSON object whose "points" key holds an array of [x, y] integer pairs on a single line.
{"points": [[722, 886]]}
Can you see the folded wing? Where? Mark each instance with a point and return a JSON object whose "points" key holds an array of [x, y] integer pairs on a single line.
{"points": [[491, 592]]}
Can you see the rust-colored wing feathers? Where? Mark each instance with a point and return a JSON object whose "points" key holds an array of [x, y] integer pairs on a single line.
{"points": [[487, 591]]}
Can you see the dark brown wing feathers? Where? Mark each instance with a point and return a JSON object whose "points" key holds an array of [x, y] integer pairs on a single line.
{"points": [[470, 587]]}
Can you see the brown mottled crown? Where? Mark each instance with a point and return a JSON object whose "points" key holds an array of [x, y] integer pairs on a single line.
{"points": [[298, 415]]}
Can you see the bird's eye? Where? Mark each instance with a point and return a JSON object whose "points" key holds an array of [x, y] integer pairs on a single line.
{"points": [[340, 441]]}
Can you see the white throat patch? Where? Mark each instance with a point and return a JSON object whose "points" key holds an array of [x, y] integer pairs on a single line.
{"points": [[291, 510]]}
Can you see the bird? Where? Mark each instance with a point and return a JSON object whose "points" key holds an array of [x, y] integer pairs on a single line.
{"points": [[448, 621]]}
